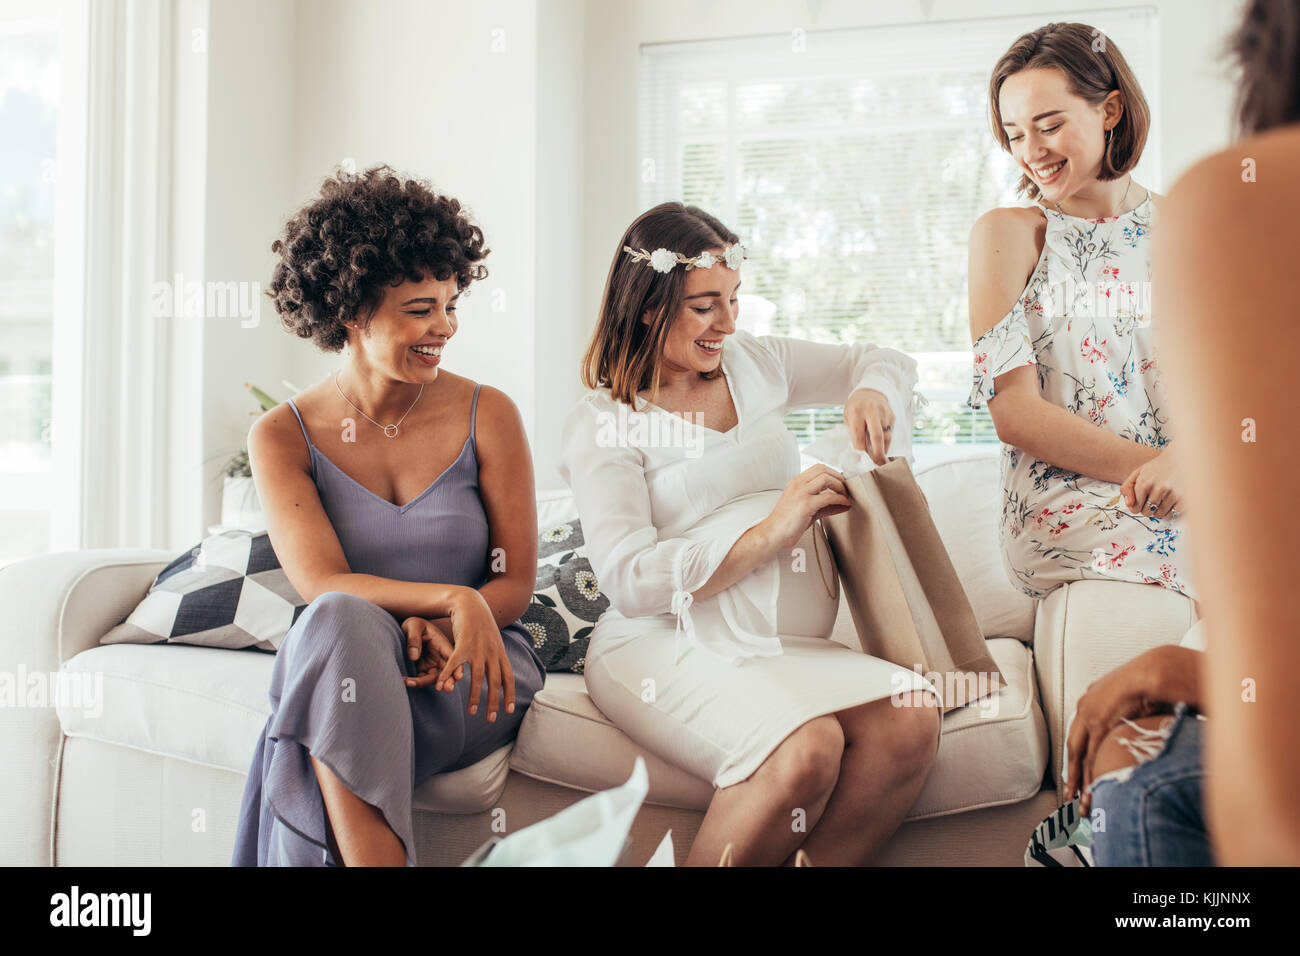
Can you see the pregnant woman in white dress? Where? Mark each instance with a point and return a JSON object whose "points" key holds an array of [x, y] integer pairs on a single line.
{"points": [[715, 652], [1064, 350]]}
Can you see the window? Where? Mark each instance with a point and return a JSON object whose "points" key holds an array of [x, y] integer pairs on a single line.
{"points": [[853, 164], [29, 100], [34, 116]]}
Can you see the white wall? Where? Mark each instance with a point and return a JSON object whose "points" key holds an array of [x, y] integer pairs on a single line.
{"points": [[561, 210], [447, 92], [526, 111], [249, 148]]}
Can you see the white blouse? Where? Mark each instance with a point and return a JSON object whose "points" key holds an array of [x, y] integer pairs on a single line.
{"points": [[662, 500]]}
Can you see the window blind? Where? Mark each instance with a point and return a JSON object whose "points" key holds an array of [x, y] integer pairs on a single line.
{"points": [[853, 163]]}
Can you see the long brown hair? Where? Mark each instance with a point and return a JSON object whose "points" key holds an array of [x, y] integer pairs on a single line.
{"points": [[1266, 48], [625, 353], [1093, 67]]}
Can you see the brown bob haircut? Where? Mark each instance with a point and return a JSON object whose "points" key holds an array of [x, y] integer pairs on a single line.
{"points": [[1093, 67], [625, 353]]}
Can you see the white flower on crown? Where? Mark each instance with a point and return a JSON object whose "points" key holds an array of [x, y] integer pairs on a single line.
{"points": [[662, 260], [665, 260]]}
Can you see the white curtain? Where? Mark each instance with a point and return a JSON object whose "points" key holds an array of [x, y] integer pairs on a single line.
{"points": [[140, 403]]}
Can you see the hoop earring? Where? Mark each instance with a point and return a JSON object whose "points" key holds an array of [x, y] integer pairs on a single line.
{"points": [[1110, 163]]}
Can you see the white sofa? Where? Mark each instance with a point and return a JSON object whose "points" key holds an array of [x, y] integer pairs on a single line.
{"points": [[156, 778]]}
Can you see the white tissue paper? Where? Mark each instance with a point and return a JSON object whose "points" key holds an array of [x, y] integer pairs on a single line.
{"points": [[592, 832], [834, 448], [663, 856]]}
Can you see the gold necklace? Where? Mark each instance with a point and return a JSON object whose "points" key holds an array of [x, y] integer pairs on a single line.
{"points": [[1121, 201], [390, 434]]}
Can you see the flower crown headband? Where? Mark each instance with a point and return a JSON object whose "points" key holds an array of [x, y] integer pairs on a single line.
{"points": [[662, 260]]}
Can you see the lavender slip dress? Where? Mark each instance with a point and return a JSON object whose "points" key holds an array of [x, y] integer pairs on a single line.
{"points": [[336, 688]]}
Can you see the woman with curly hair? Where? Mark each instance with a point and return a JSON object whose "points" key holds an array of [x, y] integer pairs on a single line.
{"points": [[387, 500]]}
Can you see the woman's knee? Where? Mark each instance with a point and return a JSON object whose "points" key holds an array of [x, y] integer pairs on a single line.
{"points": [[338, 622], [1114, 753], [807, 764], [902, 734]]}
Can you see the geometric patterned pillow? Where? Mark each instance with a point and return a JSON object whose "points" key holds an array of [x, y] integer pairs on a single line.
{"points": [[566, 599], [229, 591]]}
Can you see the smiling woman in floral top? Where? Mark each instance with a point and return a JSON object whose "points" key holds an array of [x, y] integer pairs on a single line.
{"points": [[1060, 305]]}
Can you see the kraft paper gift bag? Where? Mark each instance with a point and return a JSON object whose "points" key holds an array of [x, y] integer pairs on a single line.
{"points": [[907, 602]]}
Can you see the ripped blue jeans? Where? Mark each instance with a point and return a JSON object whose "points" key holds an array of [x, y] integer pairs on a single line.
{"points": [[1152, 813]]}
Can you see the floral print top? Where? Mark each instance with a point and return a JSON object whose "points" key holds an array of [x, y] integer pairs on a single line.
{"points": [[1084, 322]]}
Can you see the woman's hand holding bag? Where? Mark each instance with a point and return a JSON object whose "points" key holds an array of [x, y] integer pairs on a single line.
{"points": [[870, 421], [810, 495]]}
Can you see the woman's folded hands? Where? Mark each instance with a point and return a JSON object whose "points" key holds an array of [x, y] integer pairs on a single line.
{"points": [[469, 636]]}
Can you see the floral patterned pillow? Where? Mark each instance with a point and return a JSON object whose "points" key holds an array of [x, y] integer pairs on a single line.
{"points": [[566, 600]]}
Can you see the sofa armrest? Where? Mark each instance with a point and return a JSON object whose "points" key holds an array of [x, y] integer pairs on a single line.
{"points": [[55, 606], [1084, 629]]}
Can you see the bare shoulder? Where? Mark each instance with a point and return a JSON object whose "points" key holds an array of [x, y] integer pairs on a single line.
{"points": [[1226, 226], [1005, 245], [1249, 182], [499, 427], [276, 436], [505, 459], [496, 410], [1239, 205], [1013, 229]]}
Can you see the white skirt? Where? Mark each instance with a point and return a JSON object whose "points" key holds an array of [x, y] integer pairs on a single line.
{"points": [[718, 720]]}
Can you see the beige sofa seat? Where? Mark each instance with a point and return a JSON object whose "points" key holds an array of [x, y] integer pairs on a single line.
{"points": [[991, 752], [208, 706]]}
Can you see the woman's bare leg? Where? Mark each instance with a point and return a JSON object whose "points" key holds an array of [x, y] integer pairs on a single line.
{"points": [[357, 832], [758, 815], [889, 750]]}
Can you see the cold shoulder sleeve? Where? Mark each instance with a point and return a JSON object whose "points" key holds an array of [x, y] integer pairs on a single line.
{"points": [[641, 573], [1005, 346]]}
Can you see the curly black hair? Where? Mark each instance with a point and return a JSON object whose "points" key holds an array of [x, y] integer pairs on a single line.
{"points": [[365, 232]]}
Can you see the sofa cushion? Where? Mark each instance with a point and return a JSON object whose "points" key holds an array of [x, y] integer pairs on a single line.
{"points": [[566, 598], [555, 507], [991, 752], [209, 706], [965, 496], [227, 591]]}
